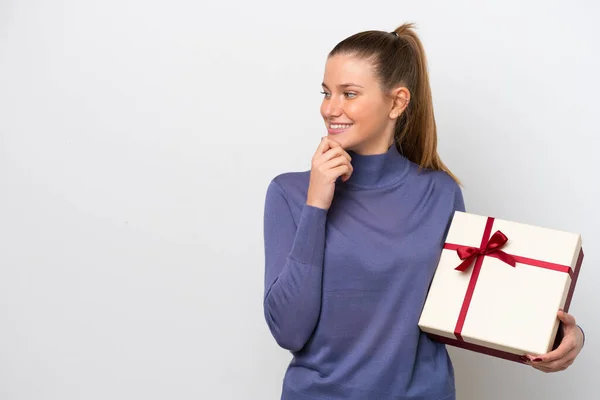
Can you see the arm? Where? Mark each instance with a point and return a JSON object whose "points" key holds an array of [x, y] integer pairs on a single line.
{"points": [[459, 202], [293, 269], [457, 205]]}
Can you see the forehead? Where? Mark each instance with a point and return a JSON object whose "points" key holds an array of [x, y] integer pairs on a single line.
{"points": [[343, 68]]}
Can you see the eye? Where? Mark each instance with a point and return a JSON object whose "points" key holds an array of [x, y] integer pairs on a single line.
{"points": [[325, 94], [350, 95]]}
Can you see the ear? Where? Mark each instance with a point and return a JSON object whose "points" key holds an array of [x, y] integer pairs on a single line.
{"points": [[401, 98]]}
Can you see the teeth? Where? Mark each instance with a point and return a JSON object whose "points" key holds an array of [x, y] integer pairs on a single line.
{"points": [[340, 126]]}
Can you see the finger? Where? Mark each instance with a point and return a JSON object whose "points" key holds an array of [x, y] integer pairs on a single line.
{"points": [[323, 146], [554, 364], [554, 368], [333, 143], [340, 171], [335, 162], [335, 152], [339, 162], [347, 176], [566, 345], [566, 318], [563, 365]]}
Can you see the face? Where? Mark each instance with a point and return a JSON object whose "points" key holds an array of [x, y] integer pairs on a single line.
{"points": [[356, 111]]}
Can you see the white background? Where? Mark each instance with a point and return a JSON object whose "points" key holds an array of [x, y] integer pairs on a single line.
{"points": [[137, 139]]}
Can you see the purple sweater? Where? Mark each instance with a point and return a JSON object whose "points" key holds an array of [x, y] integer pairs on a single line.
{"points": [[344, 288]]}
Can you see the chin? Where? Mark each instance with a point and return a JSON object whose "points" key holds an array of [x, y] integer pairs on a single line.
{"points": [[345, 143]]}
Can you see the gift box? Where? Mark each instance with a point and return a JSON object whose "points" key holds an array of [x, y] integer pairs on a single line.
{"points": [[499, 285]]}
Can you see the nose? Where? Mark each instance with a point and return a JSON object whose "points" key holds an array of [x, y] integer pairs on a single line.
{"points": [[332, 107]]}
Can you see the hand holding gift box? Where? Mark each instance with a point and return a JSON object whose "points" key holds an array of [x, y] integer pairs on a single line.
{"points": [[570, 346], [497, 289]]}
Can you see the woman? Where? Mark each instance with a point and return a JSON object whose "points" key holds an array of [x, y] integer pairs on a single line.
{"points": [[351, 245]]}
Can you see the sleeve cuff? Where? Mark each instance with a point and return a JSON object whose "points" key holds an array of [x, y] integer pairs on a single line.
{"points": [[309, 243]]}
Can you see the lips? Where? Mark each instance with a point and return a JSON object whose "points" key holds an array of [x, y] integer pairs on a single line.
{"points": [[337, 128]]}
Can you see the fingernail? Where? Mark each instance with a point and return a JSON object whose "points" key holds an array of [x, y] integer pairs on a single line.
{"points": [[537, 359]]}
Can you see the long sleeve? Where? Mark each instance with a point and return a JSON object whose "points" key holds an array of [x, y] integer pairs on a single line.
{"points": [[293, 268], [459, 202], [458, 205]]}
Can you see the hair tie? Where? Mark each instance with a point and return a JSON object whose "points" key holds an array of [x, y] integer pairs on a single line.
{"points": [[394, 33]]}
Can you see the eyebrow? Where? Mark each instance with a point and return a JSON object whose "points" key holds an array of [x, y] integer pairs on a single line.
{"points": [[344, 85]]}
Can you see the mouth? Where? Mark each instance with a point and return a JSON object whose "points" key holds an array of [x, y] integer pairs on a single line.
{"points": [[334, 129]]}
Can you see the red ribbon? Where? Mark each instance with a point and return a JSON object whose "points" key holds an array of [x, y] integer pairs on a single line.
{"points": [[490, 246], [492, 249]]}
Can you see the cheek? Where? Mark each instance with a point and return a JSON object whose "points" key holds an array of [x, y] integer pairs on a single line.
{"points": [[366, 114], [357, 112]]}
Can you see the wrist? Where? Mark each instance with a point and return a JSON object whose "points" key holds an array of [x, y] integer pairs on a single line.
{"points": [[317, 204]]}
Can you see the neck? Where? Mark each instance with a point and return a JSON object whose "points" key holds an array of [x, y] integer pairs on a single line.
{"points": [[373, 171]]}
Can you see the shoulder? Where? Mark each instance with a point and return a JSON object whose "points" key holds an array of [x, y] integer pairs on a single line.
{"points": [[444, 186], [289, 180], [441, 180], [293, 186]]}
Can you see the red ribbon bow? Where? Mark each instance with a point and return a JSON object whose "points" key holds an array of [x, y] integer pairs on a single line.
{"points": [[469, 254]]}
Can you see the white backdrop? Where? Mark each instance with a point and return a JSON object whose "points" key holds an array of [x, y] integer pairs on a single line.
{"points": [[137, 139]]}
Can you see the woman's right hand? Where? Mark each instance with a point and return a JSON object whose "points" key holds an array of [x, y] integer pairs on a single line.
{"points": [[329, 163]]}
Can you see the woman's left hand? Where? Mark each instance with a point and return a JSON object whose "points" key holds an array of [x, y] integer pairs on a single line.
{"points": [[563, 356]]}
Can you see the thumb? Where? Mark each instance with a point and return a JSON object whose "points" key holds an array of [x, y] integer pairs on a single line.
{"points": [[568, 319], [333, 143]]}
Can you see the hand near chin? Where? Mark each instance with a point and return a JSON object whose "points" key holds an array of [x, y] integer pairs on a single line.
{"points": [[329, 162]]}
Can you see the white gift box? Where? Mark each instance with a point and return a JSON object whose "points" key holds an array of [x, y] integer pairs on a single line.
{"points": [[503, 300]]}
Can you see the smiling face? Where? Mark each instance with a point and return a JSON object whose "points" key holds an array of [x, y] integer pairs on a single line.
{"points": [[356, 111]]}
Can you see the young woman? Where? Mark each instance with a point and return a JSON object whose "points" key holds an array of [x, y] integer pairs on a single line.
{"points": [[351, 246]]}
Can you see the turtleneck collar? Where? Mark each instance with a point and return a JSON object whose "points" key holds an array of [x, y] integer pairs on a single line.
{"points": [[378, 170]]}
